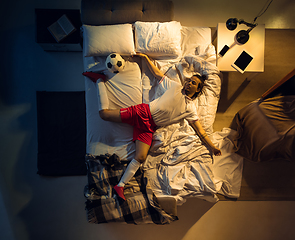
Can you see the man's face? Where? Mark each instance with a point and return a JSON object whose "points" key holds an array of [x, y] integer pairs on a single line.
{"points": [[191, 85]]}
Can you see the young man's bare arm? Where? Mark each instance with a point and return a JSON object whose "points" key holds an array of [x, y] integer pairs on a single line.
{"points": [[204, 137], [155, 71]]}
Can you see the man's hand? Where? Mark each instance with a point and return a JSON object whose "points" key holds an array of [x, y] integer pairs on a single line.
{"points": [[204, 138], [141, 55], [216, 151], [154, 70]]}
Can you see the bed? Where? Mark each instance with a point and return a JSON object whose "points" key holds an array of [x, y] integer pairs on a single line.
{"points": [[178, 165], [266, 127]]}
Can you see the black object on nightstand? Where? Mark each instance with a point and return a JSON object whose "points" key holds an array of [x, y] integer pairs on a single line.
{"points": [[46, 17]]}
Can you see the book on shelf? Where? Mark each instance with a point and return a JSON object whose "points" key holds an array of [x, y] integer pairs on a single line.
{"points": [[61, 28]]}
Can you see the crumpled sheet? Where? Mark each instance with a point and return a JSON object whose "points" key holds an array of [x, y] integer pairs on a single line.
{"points": [[227, 169], [179, 164]]}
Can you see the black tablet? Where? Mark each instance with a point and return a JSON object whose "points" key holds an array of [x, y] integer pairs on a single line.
{"points": [[242, 62]]}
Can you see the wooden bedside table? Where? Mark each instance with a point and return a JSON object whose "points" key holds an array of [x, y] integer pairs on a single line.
{"points": [[254, 46], [45, 17]]}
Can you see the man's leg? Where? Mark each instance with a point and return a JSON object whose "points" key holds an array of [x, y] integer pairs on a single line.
{"points": [[102, 96], [105, 113], [112, 115], [142, 150]]}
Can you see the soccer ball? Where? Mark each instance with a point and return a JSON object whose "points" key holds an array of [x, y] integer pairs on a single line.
{"points": [[115, 63]]}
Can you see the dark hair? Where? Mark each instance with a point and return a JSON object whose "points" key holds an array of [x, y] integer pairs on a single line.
{"points": [[201, 85]]}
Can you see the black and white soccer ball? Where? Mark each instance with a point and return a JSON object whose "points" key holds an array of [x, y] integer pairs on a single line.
{"points": [[115, 63]]}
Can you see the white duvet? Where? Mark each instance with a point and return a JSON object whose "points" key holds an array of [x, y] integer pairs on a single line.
{"points": [[179, 165]]}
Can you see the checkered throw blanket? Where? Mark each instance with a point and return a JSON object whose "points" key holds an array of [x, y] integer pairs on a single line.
{"points": [[103, 206]]}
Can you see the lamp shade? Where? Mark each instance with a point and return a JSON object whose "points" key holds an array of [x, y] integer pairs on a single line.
{"points": [[242, 36], [232, 23]]}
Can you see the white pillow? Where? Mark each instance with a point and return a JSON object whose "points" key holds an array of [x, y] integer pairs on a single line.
{"points": [[103, 40], [158, 39], [194, 37]]}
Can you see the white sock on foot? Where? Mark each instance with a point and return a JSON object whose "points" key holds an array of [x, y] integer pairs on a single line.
{"points": [[129, 173], [103, 100]]}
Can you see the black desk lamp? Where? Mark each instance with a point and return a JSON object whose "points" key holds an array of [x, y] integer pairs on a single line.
{"points": [[242, 36]]}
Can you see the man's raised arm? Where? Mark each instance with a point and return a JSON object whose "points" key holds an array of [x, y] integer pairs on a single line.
{"points": [[154, 70]]}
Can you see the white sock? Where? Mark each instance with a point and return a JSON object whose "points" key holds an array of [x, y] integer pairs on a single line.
{"points": [[103, 100], [129, 173]]}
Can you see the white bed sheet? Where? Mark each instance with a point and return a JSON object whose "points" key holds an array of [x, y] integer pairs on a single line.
{"points": [[203, 178]]}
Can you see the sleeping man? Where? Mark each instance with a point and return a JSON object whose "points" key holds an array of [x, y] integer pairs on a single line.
{"points": [[175, 104]]}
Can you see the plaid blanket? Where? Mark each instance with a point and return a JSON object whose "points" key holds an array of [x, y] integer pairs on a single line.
{"points": [[103, 206]]}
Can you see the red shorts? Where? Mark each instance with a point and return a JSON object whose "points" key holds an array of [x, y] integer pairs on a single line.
{"points": [[139, 116]]}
